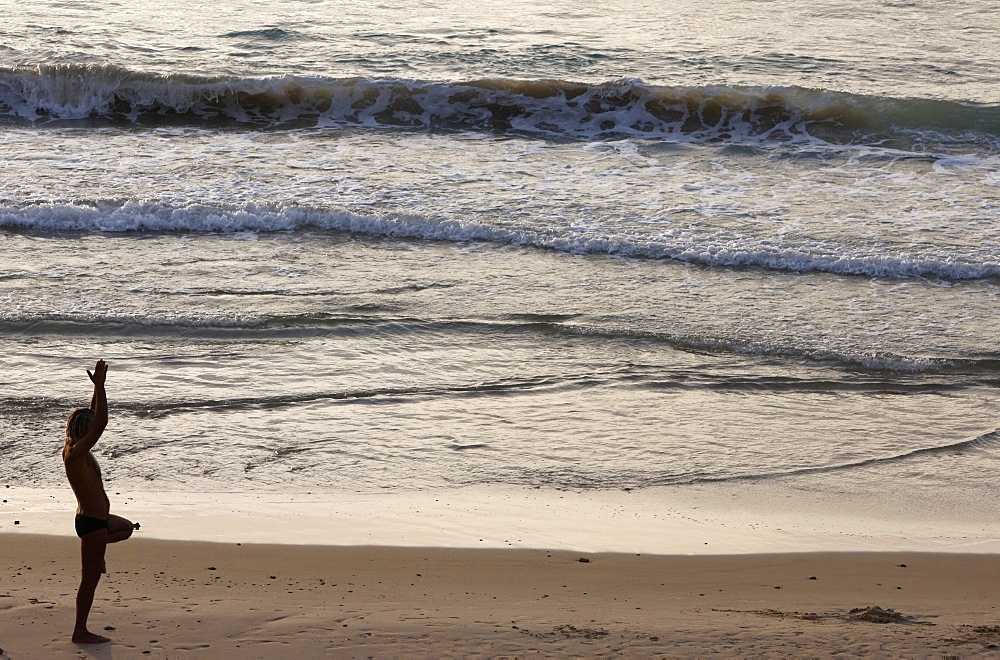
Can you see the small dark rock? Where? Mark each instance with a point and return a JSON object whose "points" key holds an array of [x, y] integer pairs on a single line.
{"points": [[17, 522], [813, 577], [584, 560], [875, 614], [902, 565]]}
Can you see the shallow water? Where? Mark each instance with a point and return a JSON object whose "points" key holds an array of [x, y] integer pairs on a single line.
{"points": [[332, 248]]}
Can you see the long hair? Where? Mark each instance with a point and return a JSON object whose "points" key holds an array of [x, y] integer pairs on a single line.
{"points": [[79, 422]]}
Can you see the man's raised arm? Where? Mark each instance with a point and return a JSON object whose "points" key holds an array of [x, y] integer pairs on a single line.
{"points": [[99, 404]]}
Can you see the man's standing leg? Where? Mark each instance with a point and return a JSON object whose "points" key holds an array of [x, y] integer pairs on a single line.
{"points": [[92, 548]]}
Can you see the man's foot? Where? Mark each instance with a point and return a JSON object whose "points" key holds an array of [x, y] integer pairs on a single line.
{"points": [[87, 637]]}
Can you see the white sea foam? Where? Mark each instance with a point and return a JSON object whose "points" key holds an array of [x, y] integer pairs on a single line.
{"points": [[716, 249]]}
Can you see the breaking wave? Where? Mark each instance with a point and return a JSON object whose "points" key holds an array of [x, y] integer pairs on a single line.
{"points": [[546, 108], [712, 250]]}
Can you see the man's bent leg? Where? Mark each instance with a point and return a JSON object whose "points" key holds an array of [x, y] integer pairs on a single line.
{"points": [[92, 553], [119, 529]]}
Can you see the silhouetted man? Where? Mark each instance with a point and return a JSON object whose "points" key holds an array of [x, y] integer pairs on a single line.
{"points": [[95, 525]]}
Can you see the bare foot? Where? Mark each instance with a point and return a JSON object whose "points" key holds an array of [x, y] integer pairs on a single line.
{"points": [[87, 637]]}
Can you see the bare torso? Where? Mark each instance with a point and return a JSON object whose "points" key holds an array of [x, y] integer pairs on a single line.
{"points": [[84, 476]]}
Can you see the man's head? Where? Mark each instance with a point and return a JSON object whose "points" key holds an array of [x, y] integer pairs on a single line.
{"points": [[80, 421]]}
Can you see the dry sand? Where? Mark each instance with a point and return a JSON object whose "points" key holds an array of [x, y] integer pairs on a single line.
{"points": [[166, 598]]}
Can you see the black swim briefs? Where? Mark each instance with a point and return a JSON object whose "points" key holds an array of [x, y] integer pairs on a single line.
{"points": [[87, 525]]}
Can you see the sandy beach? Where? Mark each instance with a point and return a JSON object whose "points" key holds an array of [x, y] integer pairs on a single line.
{"points": [[502, 573], [166, 598]]}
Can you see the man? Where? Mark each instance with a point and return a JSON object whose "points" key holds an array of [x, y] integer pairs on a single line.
{"points": [[95, 525]]}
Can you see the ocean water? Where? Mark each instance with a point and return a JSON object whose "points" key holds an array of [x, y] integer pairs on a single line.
{"points": [[331, 246]]}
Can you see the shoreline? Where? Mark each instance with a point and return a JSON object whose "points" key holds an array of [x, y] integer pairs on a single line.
{"points": [[257, 600], [743, 519]]}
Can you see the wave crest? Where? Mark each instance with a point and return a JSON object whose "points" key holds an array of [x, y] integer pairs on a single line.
{"points": [[548, 108], [708, 250]]}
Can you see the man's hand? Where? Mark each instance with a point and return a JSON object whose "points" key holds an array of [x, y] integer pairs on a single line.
{"points": [[100, 373]]}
